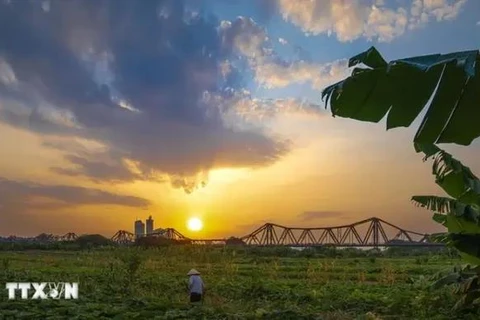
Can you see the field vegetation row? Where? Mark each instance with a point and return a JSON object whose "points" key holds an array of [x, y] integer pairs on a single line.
{"points": [[242, 283]]}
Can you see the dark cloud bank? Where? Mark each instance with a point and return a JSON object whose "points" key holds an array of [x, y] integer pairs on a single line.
{"points": [[97, 60], [20, 201], [20, 197]]}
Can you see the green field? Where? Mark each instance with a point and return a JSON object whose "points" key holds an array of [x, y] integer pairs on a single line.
{"points": [[134, 283]]}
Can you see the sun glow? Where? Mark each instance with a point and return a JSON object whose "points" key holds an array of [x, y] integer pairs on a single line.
{"points": [[194, 224]]}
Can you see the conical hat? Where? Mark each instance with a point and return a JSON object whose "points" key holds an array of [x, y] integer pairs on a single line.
{"points": [[192, 272]]}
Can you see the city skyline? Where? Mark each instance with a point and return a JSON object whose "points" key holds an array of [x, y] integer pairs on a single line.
{"points": [[210, 109]]}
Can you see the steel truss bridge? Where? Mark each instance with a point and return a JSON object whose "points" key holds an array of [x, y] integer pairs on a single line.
{"points": [[373, 232]]}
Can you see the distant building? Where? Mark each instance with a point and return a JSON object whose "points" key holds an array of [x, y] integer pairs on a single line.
{"points": [[139, 229], [149, 222]]}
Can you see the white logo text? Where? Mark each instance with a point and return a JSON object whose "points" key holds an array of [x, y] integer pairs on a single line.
{"points": [[42, 290]]}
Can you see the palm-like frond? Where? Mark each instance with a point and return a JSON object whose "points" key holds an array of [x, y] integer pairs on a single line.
{"points": [[461, 213], [452, 176], [453, 214], [402, 88], [437, 204]]}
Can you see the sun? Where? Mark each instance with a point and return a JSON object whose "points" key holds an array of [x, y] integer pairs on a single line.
{"points": [[194, 224]]}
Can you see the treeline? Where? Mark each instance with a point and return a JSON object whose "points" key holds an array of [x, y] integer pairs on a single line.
{"points": [[95, 241], [91, 241], [334, 252], [81, 243]]}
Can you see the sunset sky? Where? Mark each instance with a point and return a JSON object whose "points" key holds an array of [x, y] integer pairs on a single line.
{"points": [[116, 110]]}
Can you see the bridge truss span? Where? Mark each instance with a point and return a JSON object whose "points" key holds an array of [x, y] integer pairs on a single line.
{"points": [[123, 237], [373, 232]]}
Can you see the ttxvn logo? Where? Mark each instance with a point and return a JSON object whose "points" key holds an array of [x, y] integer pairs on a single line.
{"points": [[42, 290]]}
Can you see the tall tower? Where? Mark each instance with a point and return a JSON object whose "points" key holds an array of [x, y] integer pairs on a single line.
{"points": [[149, 222], [139, 229]]}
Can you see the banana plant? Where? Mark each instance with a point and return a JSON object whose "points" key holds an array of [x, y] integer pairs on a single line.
{"points": [[460, 214], [466, 279], [448, 87]]}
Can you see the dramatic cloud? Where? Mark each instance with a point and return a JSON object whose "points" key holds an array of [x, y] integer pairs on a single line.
{"points": [[106, 168], [18, 197], [131, 75], [161, 87], [277, 74], [240, 105], [7, 77], [347, 19], [423, 10], [244, 35], [352, 19], [269, 69]]}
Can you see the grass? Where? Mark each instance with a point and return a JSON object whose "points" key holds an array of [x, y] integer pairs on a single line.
{"points": [[133, 283]]}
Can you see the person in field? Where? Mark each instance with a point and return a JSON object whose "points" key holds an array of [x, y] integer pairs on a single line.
{"points": [[195, 286]]}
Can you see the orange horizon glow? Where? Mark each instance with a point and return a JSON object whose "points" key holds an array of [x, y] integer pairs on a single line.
{"points": [[349, 179]]}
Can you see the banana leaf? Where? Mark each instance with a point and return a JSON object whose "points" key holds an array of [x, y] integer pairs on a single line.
{"points": [[448, 85], [452, 176]]}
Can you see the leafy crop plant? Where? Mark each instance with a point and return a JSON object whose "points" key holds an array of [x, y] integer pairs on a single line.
{"points": [[448, 87]]}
